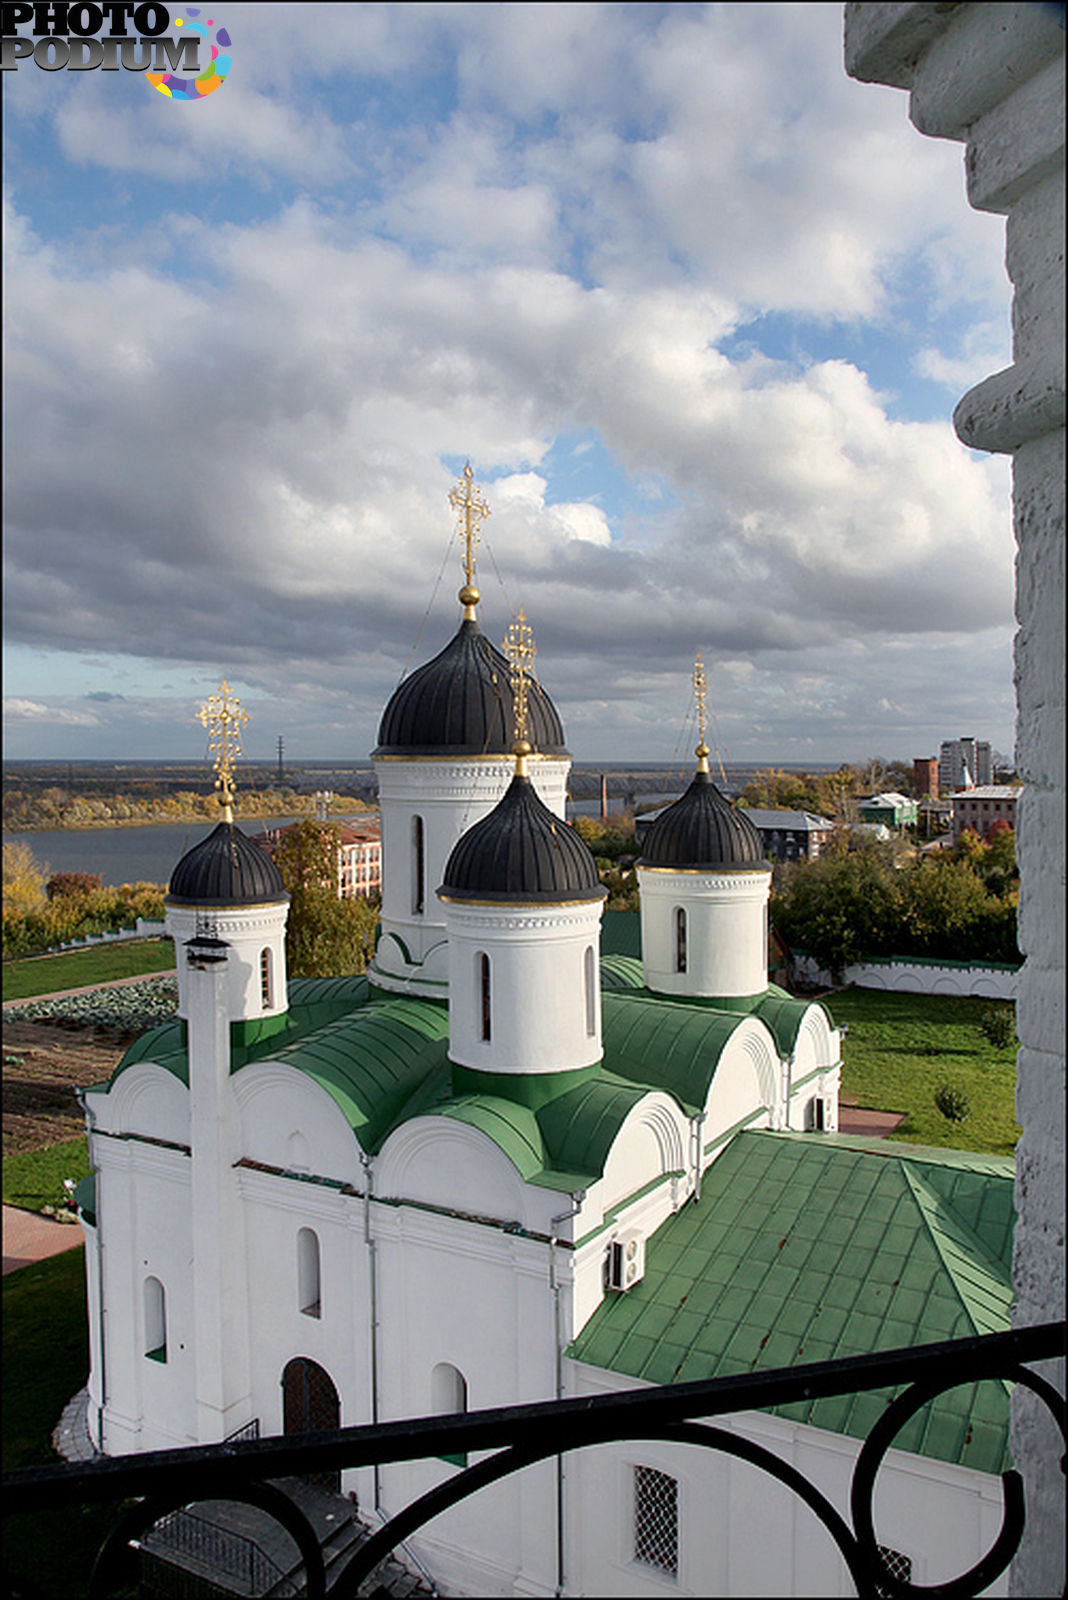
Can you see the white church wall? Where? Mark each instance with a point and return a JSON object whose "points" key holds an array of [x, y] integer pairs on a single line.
{"points": [[544, 1000], [248, 930], [439, 1161], [449, 796], [143, 1210], [741, 1532], [480, 1299], [748, 1076], [289, 1121], [147, 1100], [282, 1328], [726, 931]]}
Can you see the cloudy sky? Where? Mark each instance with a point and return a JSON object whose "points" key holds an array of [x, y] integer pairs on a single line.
{"points": [[696, 306]]}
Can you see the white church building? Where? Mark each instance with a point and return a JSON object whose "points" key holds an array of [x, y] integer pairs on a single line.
{"points": [[502, 1168]]}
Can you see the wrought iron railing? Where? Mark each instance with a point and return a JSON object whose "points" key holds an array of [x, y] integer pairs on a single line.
{"points": [[166, 1480], [216, 1551]]}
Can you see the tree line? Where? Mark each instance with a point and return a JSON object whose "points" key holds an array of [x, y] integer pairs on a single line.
{"points": [[26, 810], [853, 901]]}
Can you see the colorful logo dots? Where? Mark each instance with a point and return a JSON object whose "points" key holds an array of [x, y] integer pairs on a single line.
{"points": [[212, 76]]}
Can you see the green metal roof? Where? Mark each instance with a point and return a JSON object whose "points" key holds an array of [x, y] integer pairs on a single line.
{"points": [[662, 1044], [808, 1248], [382, 1064], [621, 933], [621, 972]]}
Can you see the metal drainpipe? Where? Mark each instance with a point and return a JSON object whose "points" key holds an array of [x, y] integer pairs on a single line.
{"points": [[698, 1127], [554, 1285], [79, 1095], [788, 1075], [372, 1272]]}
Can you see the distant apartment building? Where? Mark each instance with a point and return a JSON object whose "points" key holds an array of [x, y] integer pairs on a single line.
{"points": [[925, 777], [891, 809], [963, 764], [359, 856], [981, 807]]}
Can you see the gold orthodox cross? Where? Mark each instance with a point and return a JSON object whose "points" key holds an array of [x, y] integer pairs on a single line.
{"points": [[700, 691], [520, 649], [466, 499], [224, 716]]}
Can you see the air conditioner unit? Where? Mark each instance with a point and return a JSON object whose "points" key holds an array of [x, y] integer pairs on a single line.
{"points": [[626, 1261]]}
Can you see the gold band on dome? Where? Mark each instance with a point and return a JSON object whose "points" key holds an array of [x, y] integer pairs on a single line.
{"points": [[466, 499], [224, 716], [500, 755]]}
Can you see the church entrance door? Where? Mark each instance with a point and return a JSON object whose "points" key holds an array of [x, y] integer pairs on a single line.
{"points": [[310, 1404]]}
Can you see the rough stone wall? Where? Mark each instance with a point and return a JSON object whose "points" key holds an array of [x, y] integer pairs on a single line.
{"points": [[992, 75]]}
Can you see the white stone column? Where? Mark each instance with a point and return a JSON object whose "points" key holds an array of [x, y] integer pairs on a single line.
{"points": [[992, 75], [220, 1311]]}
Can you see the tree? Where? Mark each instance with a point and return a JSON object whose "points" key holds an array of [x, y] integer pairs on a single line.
{"points": [[23, 878], [326, 937], [65, 885], [953, 1103], [839, 910]]}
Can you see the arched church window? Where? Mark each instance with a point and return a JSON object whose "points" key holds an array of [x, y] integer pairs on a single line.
{"points": [[680, 939], [418, 867], [155, 1320], [448, 1396], [485, 997], [309, 1287], [265, 979], [590, 975]]}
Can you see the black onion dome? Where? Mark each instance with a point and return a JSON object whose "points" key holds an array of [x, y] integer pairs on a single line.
{"points": [[701, 830], [461, 704], [523, 853], [226, 869]]}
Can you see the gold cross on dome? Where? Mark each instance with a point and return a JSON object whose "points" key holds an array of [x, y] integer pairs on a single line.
{"points": [[520, 649], [224, 716], [466, 499], [700, 690]]}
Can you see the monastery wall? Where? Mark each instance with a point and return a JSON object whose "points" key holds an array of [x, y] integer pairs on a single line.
{"points": [[992, 76]]}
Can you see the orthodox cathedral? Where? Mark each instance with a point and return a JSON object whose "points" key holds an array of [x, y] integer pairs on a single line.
{"points": [[505, 1167]]}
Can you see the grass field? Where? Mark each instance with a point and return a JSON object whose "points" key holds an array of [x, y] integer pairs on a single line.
{"points": [[46, 1360], [34, 1179], [100, 963], [902, 1047]]}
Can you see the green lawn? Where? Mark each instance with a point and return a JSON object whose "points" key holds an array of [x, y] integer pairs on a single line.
{"points": [[46, 1359], [99, 963], [902, 1047], [34, 1179]]}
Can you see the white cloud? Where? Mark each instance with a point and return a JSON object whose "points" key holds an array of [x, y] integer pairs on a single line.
{"points": [[17, 710]]}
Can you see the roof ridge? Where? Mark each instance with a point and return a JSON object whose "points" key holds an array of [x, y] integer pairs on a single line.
{"points": [[942, 1218]]}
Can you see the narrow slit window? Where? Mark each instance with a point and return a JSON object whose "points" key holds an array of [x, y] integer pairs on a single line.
{"points": [[656, 1520], [680, 939], [309, 1274], [589, 975], [418, 866], [155, 1320], [265, 979], [485, 997]]}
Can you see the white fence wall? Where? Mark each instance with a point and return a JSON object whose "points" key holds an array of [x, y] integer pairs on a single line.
{"points": [[918, 975]]}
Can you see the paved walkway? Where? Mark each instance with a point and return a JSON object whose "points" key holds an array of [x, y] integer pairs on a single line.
{"points": [[858, 1119], [29, 1238], [87, 988]]}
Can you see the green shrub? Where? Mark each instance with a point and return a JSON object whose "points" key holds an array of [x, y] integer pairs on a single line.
{"points": [[953, 1103], [998, 1026]]}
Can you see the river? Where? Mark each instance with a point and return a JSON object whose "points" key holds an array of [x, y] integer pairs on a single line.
{"points": [[150, 853]]}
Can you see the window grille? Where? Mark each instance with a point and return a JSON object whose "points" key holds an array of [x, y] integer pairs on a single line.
{"points": [[897, 1566], [680, 940], [656, 1520], [265, 980], [418, 867]]}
